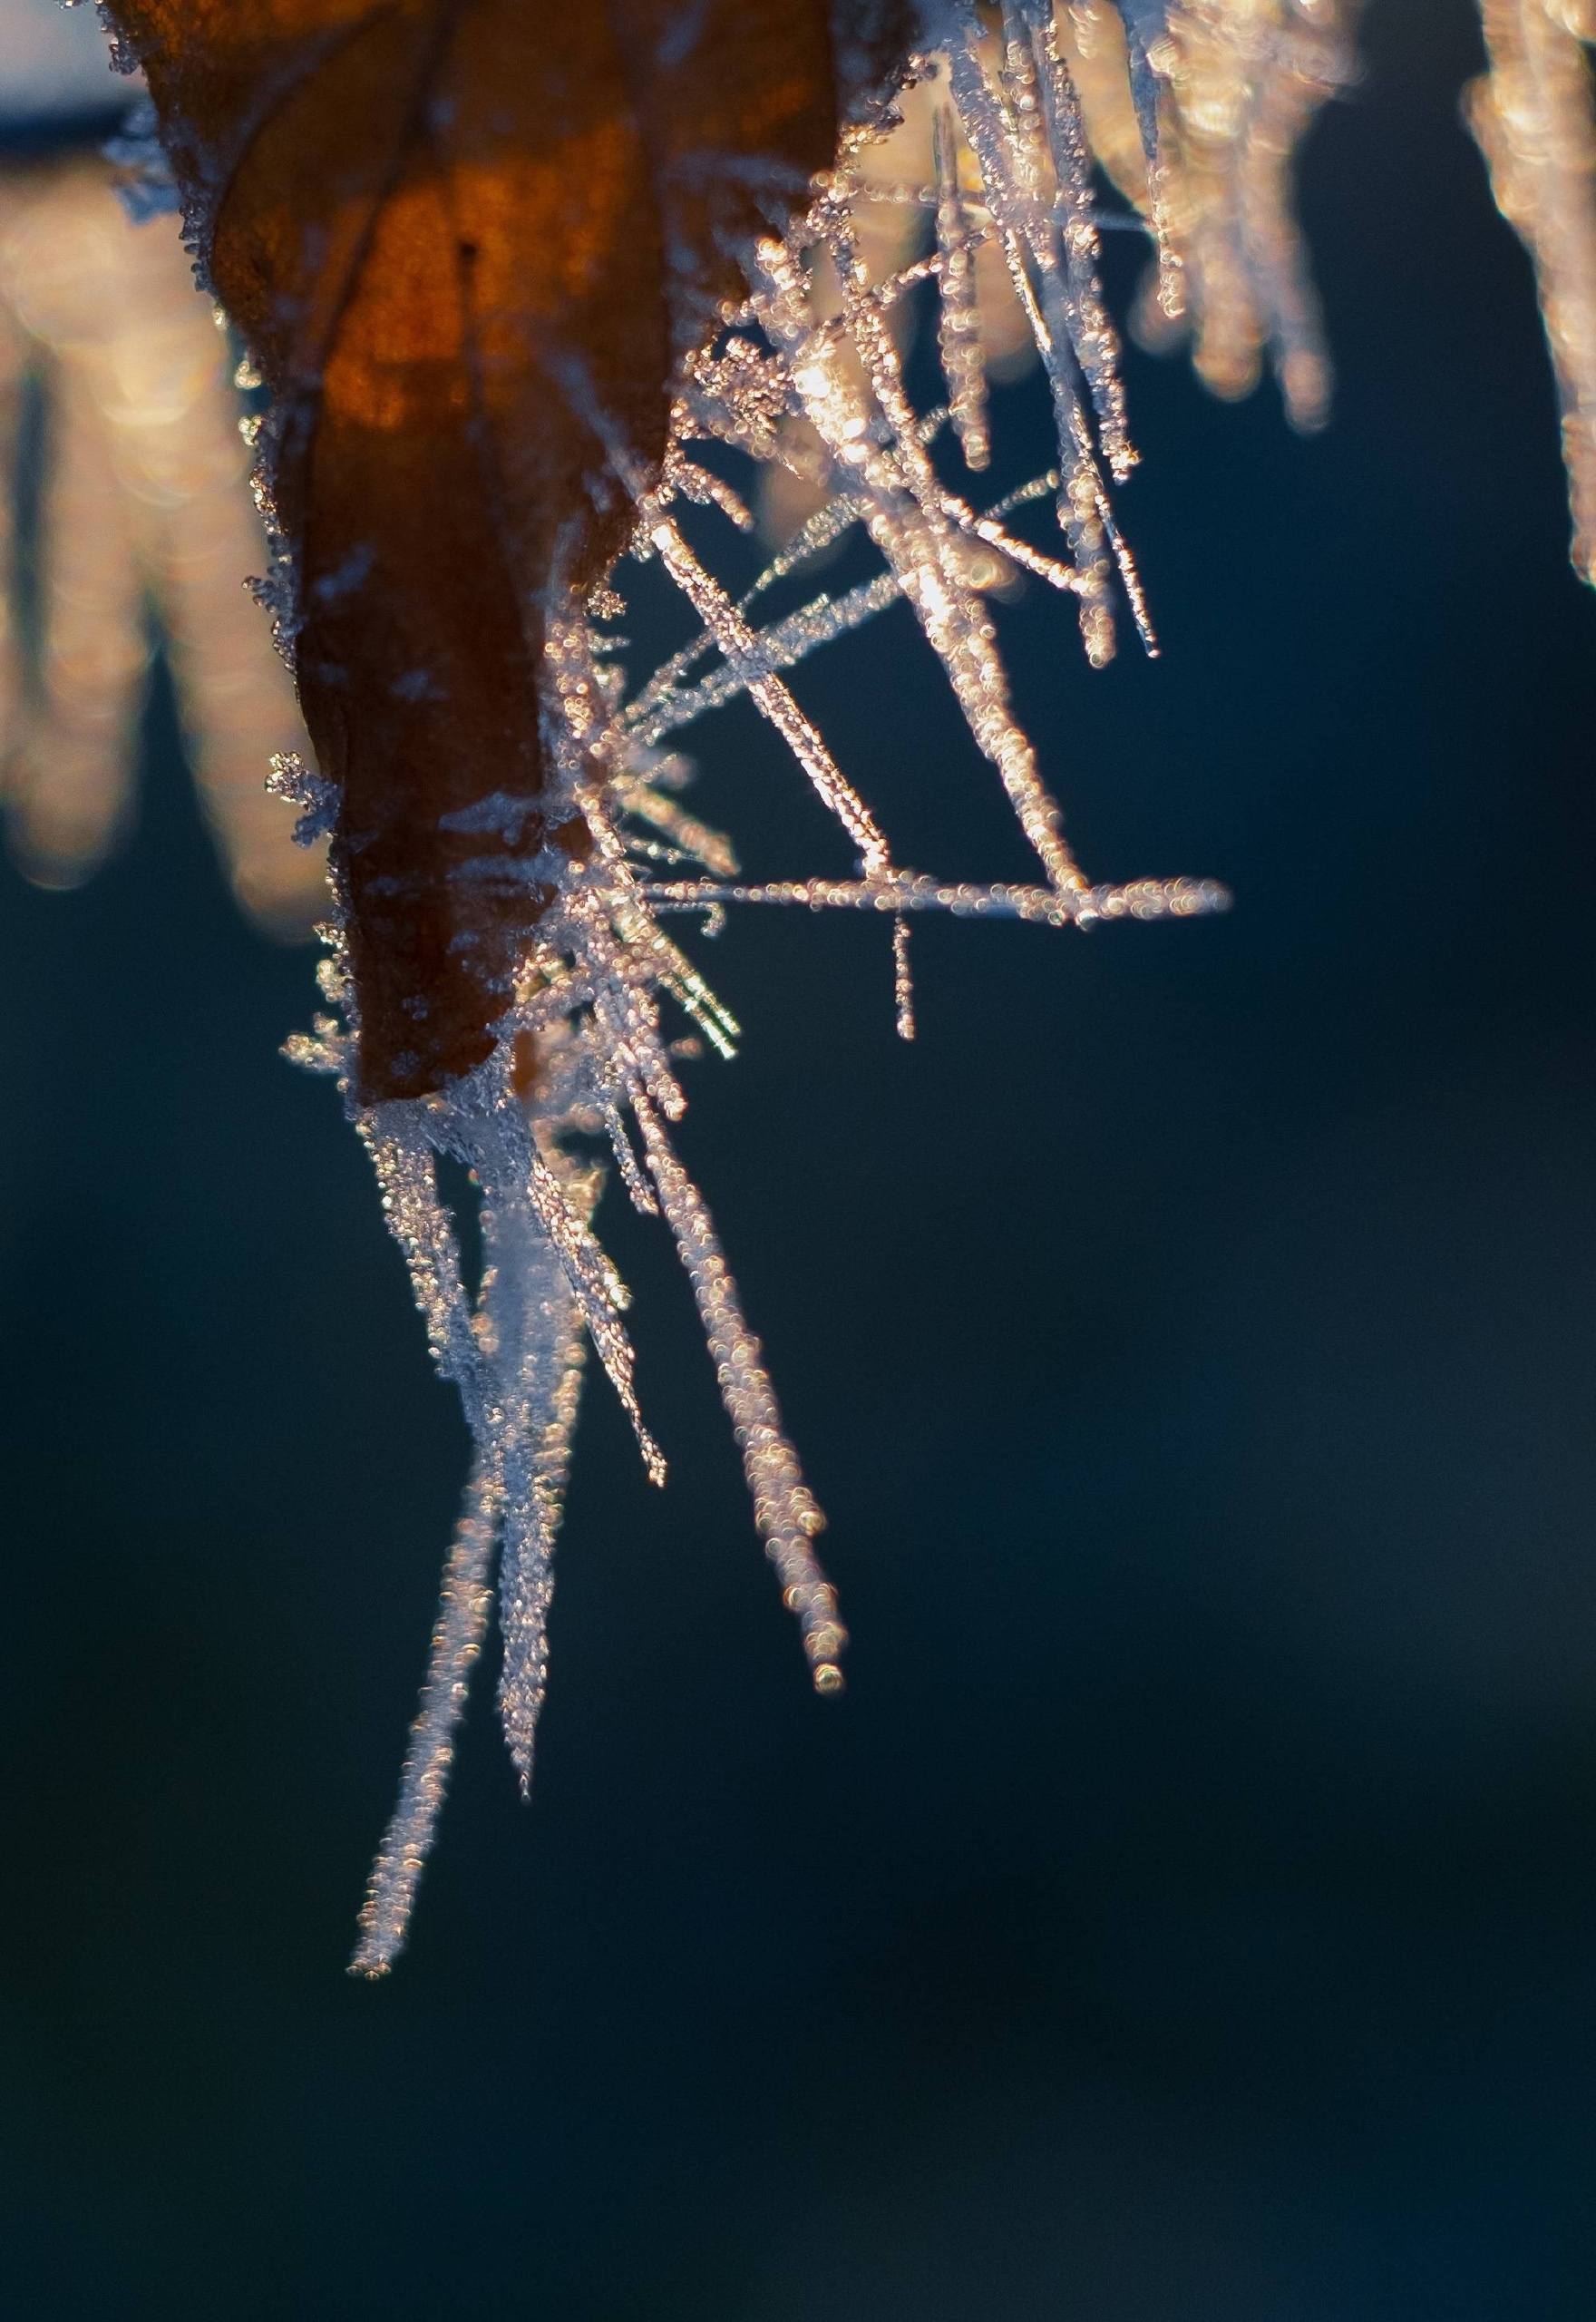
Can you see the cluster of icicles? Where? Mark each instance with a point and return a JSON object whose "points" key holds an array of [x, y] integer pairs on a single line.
{"points": [[987, 194], [810, 374], [141, 496]]}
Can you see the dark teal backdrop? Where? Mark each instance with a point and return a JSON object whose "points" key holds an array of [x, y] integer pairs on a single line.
{"points": [[1187, 1912]]}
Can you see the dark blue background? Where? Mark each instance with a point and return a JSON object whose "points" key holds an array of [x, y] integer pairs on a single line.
{"points": [[1188, 1910]]}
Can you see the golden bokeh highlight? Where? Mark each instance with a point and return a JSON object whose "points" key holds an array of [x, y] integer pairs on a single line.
{"points": [[141, 524]]}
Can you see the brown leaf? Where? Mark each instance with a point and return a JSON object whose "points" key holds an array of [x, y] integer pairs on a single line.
{"points": [[452, 232]]}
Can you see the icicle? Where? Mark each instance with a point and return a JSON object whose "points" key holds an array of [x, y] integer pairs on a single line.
{"points": [[598, 1292], [1145, 32], [536, 1497], [1194, 112], [638, 1190], [903, 981], [538, 1327], [1532, 115], [785, 1509], [422, 1227], [959, 322], [1095, 340], [463, 1623]]}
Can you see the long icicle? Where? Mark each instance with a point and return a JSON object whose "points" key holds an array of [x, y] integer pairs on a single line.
{"points": [[785, 1509], [466, 1603]]}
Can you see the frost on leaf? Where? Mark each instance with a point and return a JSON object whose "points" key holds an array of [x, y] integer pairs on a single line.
{"points": [[522, 302], [469, 245]]}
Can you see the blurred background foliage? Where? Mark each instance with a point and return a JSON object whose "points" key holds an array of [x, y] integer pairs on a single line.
{"points": [[1187, 1910]]}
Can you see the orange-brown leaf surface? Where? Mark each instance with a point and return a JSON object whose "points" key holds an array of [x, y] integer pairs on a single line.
{"points": [[461, 236]]}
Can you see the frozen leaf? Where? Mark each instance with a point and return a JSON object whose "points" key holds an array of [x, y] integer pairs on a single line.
{"points": [[469, 245]]}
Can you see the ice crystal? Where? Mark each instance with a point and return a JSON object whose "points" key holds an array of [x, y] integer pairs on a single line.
{"points": [[810, 374]]}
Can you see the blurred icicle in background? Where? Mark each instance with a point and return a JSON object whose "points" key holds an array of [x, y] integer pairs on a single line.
{"points": [[1535, 116], [124, 513], [1222, 91], [1225, 90]]}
